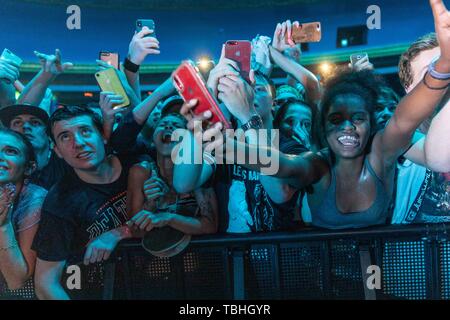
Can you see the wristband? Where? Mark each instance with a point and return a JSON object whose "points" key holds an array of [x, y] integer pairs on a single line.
{"points": [[437, 75], [130, 66]]}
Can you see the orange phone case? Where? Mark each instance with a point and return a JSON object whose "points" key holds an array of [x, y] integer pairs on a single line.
{"points": [[110, 58], [307, 32], [108, 80], [190, 85]]}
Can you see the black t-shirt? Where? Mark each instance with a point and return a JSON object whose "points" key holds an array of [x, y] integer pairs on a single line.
{"points": [[266, 214], [51, 173], [76, 212]]}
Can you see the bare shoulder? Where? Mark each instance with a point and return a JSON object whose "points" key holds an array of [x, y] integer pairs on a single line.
{"points": [[140, 171]]}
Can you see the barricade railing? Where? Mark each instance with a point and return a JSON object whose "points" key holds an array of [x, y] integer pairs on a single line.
{"points": [[389, 262]]}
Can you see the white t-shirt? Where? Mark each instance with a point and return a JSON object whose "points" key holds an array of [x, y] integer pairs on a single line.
{"points": [[409, 181]]}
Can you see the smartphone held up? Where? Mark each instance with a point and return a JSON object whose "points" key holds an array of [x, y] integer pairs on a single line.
{"points": [[190, 85], [109, 81], [307, 32], [149, 23], [110, 58], [240, 51]]}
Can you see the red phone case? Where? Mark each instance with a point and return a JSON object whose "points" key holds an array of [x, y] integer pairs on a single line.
{"points": [[240, 51], [190, 85]]}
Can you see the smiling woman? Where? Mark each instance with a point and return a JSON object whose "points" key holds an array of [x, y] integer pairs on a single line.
{"points": [[20, 209]]}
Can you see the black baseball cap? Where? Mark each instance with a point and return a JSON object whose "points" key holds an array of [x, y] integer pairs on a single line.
{"points": [[10, 112]]}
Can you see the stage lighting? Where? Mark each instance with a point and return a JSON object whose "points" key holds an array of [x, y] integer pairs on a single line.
{"points": [[205, 64], [325, 68]]}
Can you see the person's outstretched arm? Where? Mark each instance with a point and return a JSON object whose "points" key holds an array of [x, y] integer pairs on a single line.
{"points": [[421, 102], [141, 45], [52, 66], [296, 70]]}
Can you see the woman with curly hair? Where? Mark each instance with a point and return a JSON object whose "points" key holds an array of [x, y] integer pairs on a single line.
{"points": [[353, 178]]}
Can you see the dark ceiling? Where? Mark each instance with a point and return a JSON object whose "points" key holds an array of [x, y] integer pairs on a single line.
{"points": [[176, 4]]}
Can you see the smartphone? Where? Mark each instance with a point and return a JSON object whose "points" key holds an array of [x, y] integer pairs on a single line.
{"points": [[149, 23], [110, 58], [108, 80], [240, 51], [7, 54], [354, 58], [190, 85], [307, 32]]}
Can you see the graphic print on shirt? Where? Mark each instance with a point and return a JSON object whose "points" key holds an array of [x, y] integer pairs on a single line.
{"points": [[249, 206], [109, 216], [434, 206]]}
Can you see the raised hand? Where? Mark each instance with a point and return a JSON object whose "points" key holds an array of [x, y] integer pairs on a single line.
{"points": [[238, 96], [7, 193], [52, 63], [225, 67], [155, 188], [196, 123], [108, 100], [141, 46], [282, 37], [302, 136], [442, 25], [362, 64], [261, 55]]}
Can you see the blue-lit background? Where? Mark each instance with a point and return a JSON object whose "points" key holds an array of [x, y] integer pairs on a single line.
{"points": [[194, 30]]}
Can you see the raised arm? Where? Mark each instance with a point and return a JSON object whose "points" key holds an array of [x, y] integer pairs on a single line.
{"points": [[143, 110], [123, 139], [420, 103], [35, 90], [192, 166], [291, 67], [141, 45]]}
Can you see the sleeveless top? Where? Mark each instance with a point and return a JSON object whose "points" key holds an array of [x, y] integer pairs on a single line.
{"points": [[327, 215]]}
